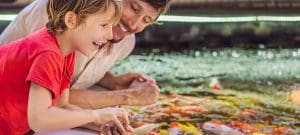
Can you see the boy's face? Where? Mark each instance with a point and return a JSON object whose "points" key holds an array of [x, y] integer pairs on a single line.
{"points": [[136, 15], [95, 31]]}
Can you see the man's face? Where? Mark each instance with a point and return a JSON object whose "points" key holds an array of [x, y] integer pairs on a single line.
{"points": [[136, 15]]}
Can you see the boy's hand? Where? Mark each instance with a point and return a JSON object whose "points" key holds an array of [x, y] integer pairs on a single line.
{"points": [[110, 129], [117, 116]]}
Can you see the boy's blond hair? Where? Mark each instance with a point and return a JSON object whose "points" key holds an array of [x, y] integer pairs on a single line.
{"points": [[57, 9]]}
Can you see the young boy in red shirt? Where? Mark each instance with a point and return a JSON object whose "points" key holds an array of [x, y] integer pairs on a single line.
{"points": [[35, 72]]}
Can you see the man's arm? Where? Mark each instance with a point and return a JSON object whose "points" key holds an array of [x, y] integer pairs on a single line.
{"points": [[119, 82], [108, 81], [99, 99], [138, 93]]}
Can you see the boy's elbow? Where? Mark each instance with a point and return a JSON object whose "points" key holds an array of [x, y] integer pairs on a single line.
{"points": [[36, 123]]}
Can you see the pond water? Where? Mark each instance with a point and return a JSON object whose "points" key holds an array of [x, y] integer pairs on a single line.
{"points": [[223, 91]]}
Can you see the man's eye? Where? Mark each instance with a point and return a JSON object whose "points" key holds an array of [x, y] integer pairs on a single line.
{"points": [[147, 20], [135, 8]]}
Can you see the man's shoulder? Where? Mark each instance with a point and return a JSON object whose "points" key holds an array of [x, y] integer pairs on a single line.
{"points": [[127, 41]]}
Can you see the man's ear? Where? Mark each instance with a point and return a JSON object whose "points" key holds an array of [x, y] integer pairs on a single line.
{"points": [[71, 20]]}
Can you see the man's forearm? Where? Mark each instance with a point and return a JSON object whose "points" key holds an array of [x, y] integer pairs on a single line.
{"points": [[93, 99], [108, 81]]}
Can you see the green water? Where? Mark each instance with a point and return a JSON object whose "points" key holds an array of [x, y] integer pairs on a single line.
{"points": [[236, 67], [253, 79]]}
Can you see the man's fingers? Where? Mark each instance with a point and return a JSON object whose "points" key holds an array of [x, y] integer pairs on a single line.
{"points": [[149, 78], [156, 88], [133, 75], [142, 78]]}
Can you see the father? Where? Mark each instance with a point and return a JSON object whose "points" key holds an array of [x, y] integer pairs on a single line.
{"points": [[93, 72]]}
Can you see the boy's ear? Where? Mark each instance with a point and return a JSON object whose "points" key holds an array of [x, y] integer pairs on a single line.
{"points": [[71, 20]]}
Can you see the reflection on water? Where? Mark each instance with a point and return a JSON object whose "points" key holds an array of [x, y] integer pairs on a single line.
{"points": [[256, 83]]}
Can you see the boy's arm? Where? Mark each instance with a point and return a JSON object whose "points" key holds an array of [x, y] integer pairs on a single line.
{"points": [[42, 116], [63, 101]]}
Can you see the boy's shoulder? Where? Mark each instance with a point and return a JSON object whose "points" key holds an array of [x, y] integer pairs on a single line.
{"points": [[41, 41]]}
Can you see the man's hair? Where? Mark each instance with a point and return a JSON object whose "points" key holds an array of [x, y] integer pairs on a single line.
{"points": [[160, 5], [57, 10]]}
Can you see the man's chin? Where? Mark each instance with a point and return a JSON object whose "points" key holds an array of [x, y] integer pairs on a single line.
{"points": [[119, 37]]}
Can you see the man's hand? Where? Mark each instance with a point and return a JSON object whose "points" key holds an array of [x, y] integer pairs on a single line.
{"points": [[143, 93], [123, 81]]}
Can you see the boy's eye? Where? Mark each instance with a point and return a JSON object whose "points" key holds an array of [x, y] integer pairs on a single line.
{"points": [[104, 25]]}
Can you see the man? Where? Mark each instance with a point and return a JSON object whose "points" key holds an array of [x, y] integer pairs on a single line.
{"points": [[93, 72]]}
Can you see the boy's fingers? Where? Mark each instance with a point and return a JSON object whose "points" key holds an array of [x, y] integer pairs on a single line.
{"points": [[105, 130], [115, 131], [123, 116], [119, 125], [129, 129]]}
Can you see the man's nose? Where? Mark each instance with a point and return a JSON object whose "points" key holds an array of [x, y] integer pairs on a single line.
{"points": [[135, 24]]}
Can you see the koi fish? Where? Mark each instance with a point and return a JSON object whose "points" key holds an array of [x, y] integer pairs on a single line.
{"points": [[220, 129], [215, 84]]}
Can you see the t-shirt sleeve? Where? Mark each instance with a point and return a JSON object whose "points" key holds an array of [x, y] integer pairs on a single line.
{"points": [[46, 70]]}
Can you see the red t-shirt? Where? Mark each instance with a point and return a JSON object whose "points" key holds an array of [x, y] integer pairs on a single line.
{"points": [[36, 58]]}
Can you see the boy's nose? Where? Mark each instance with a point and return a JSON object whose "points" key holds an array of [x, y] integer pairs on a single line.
{"points": [[109, 35]]}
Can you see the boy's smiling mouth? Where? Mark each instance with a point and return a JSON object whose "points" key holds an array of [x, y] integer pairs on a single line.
{"points": [[98, 44]]}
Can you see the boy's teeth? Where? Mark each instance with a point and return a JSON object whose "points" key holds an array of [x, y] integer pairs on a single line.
{"points": [[122, 27], [101, 43], [98, 43]]}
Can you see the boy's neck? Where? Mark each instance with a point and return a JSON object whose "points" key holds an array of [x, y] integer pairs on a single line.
{"points": [[64, 43]]}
